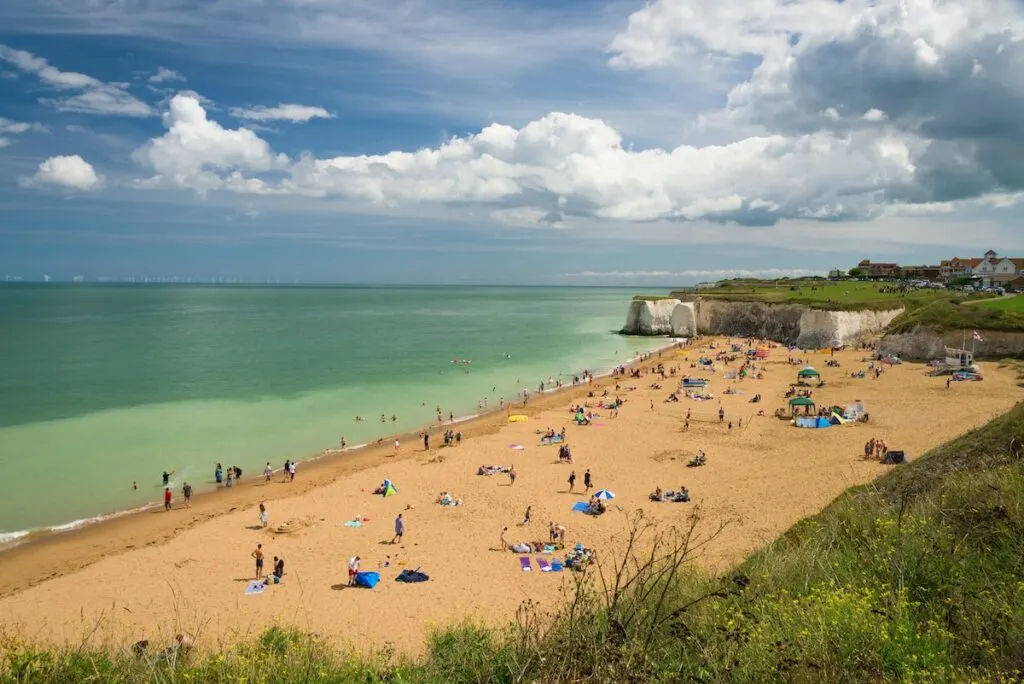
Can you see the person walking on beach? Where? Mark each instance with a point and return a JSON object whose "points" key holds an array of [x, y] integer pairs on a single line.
{"points": [[426, 441], [947, 383], [353, 570], [572, 480], [291, 471], [512, 476], [263, 514], [526, 516], [587, 482], [268, 471], [258, 555], [721, 414], [286, 470], [398, 446], [186, 492], [399, 529], [167, 498]]}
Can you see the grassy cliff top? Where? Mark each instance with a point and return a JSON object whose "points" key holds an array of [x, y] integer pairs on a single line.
{"points": [[916, 577]]}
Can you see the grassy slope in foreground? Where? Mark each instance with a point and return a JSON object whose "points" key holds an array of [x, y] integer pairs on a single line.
{"points": [[916, 577]]}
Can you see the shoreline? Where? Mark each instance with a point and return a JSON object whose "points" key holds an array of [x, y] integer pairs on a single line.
{"points": [[37, 548], [11, 540]]}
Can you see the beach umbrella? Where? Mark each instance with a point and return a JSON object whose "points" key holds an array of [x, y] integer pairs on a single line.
{"points": [[605, 494]]}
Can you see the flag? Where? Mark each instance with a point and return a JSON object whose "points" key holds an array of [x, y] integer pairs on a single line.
{"points": [[977, 336]]}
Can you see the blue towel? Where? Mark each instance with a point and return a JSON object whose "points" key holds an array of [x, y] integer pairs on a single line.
{"points": [[581, 507]]}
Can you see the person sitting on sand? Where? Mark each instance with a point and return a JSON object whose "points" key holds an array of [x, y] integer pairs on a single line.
{"points": [[657, 494]]}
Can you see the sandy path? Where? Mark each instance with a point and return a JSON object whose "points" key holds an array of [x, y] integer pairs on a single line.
{"points": [[764, 477]]}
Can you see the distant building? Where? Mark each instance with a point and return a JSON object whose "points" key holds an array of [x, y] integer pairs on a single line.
{"points": [[998, 271], [956, 267], [878, 270], [921, 272], [836, 274]]}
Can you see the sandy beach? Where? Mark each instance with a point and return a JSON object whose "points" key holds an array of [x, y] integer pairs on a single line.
{"points": [[152, 574]]}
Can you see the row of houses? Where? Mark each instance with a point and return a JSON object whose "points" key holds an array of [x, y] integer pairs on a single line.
{"points": [[991, 270]]}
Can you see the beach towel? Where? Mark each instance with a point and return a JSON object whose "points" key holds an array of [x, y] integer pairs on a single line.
{"points": [[581, 507], [524, 563], [543, 565], [412, 576], [353, 523], [255, 587], [367, 579], [517, 447], [556, 565]]}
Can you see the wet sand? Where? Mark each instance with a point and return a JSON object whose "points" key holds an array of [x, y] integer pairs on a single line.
{"points": [[152, 574]]}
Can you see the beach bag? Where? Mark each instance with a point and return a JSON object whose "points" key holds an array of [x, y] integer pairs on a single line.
{"points": [[412, 576], [367, 579]]}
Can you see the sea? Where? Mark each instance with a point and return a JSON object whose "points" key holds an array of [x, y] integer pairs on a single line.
{"points": [[105, 387]]}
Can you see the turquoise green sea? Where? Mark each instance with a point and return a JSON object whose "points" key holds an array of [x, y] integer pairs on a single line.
{"points": [[105, 385]]}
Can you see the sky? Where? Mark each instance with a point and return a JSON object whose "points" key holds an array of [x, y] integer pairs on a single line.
{"points": [[555, 142]]}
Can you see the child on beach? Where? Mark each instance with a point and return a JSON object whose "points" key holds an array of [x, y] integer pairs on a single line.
{"points": [[268, 471], [263, 514], [167, 498], [186, 491]]}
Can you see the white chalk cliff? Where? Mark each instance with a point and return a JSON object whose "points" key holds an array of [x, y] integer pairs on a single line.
{"points": [[795, 323]]}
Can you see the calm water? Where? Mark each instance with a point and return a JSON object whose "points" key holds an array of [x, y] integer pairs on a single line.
{"points": [[103, 385]]}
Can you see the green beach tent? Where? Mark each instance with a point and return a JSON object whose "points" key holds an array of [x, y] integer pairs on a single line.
{"points": [[808, 373], [389, 489], [801, 401]]}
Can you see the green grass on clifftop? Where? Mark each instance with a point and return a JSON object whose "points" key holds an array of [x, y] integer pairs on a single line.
{"points": [[1014, 303], [914, 578], [949, 313], [818, 294]]}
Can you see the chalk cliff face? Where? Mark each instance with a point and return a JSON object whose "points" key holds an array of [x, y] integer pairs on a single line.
{"points": [[783, 322], [650, 317], [826, 328]]}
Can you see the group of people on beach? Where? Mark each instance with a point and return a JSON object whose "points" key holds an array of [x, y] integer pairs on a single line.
{"points": [[875, 449]]}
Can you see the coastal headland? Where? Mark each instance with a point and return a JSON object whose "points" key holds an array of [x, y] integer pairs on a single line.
{"points": [[157, 573]]}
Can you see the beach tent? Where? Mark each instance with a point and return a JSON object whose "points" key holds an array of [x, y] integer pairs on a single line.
{"points": [[797, 402], [837, 419], [389, 488], [812, 422], [808, 373], [762, 352], [367, 579], [855, 410]]}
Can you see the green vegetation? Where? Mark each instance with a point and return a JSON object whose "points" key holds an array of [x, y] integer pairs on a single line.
{"points": [[1013, 304], [950, 313], [916, 577]]}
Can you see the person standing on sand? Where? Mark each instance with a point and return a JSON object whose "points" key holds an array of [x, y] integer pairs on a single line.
{"points": [[186, 491], [587, 482], [258, 555], [526, 516], [426, 441], [263, 514], [572, 480], [286, 470], [167, 498], [353, 570], [503, 543], [399, 529], [947, 383], [512, 476], [291, 472], [397, 447], [268, 471]]}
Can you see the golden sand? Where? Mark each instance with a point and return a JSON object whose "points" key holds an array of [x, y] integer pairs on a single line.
{"points": [[153, 574]]}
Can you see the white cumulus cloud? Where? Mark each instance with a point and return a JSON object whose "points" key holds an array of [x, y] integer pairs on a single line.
{"points": [[93, 97], [200, 154], [69, 171], [294, 113]]}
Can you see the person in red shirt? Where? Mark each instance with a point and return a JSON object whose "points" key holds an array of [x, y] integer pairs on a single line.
{"points": [[167, 498]]}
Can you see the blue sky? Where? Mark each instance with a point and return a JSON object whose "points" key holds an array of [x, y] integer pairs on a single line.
{"points": [[569, 142]]}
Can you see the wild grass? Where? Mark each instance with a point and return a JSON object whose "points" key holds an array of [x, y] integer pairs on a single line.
{"points": [[914, 578], [1014, 303]]}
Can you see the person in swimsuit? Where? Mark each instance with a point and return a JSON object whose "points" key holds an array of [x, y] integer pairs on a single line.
{"points": [[167, 477], [258, 555], [572, 480], [167, 498], [186, 491], [263, 514], [587, 482], [268, 471]]}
